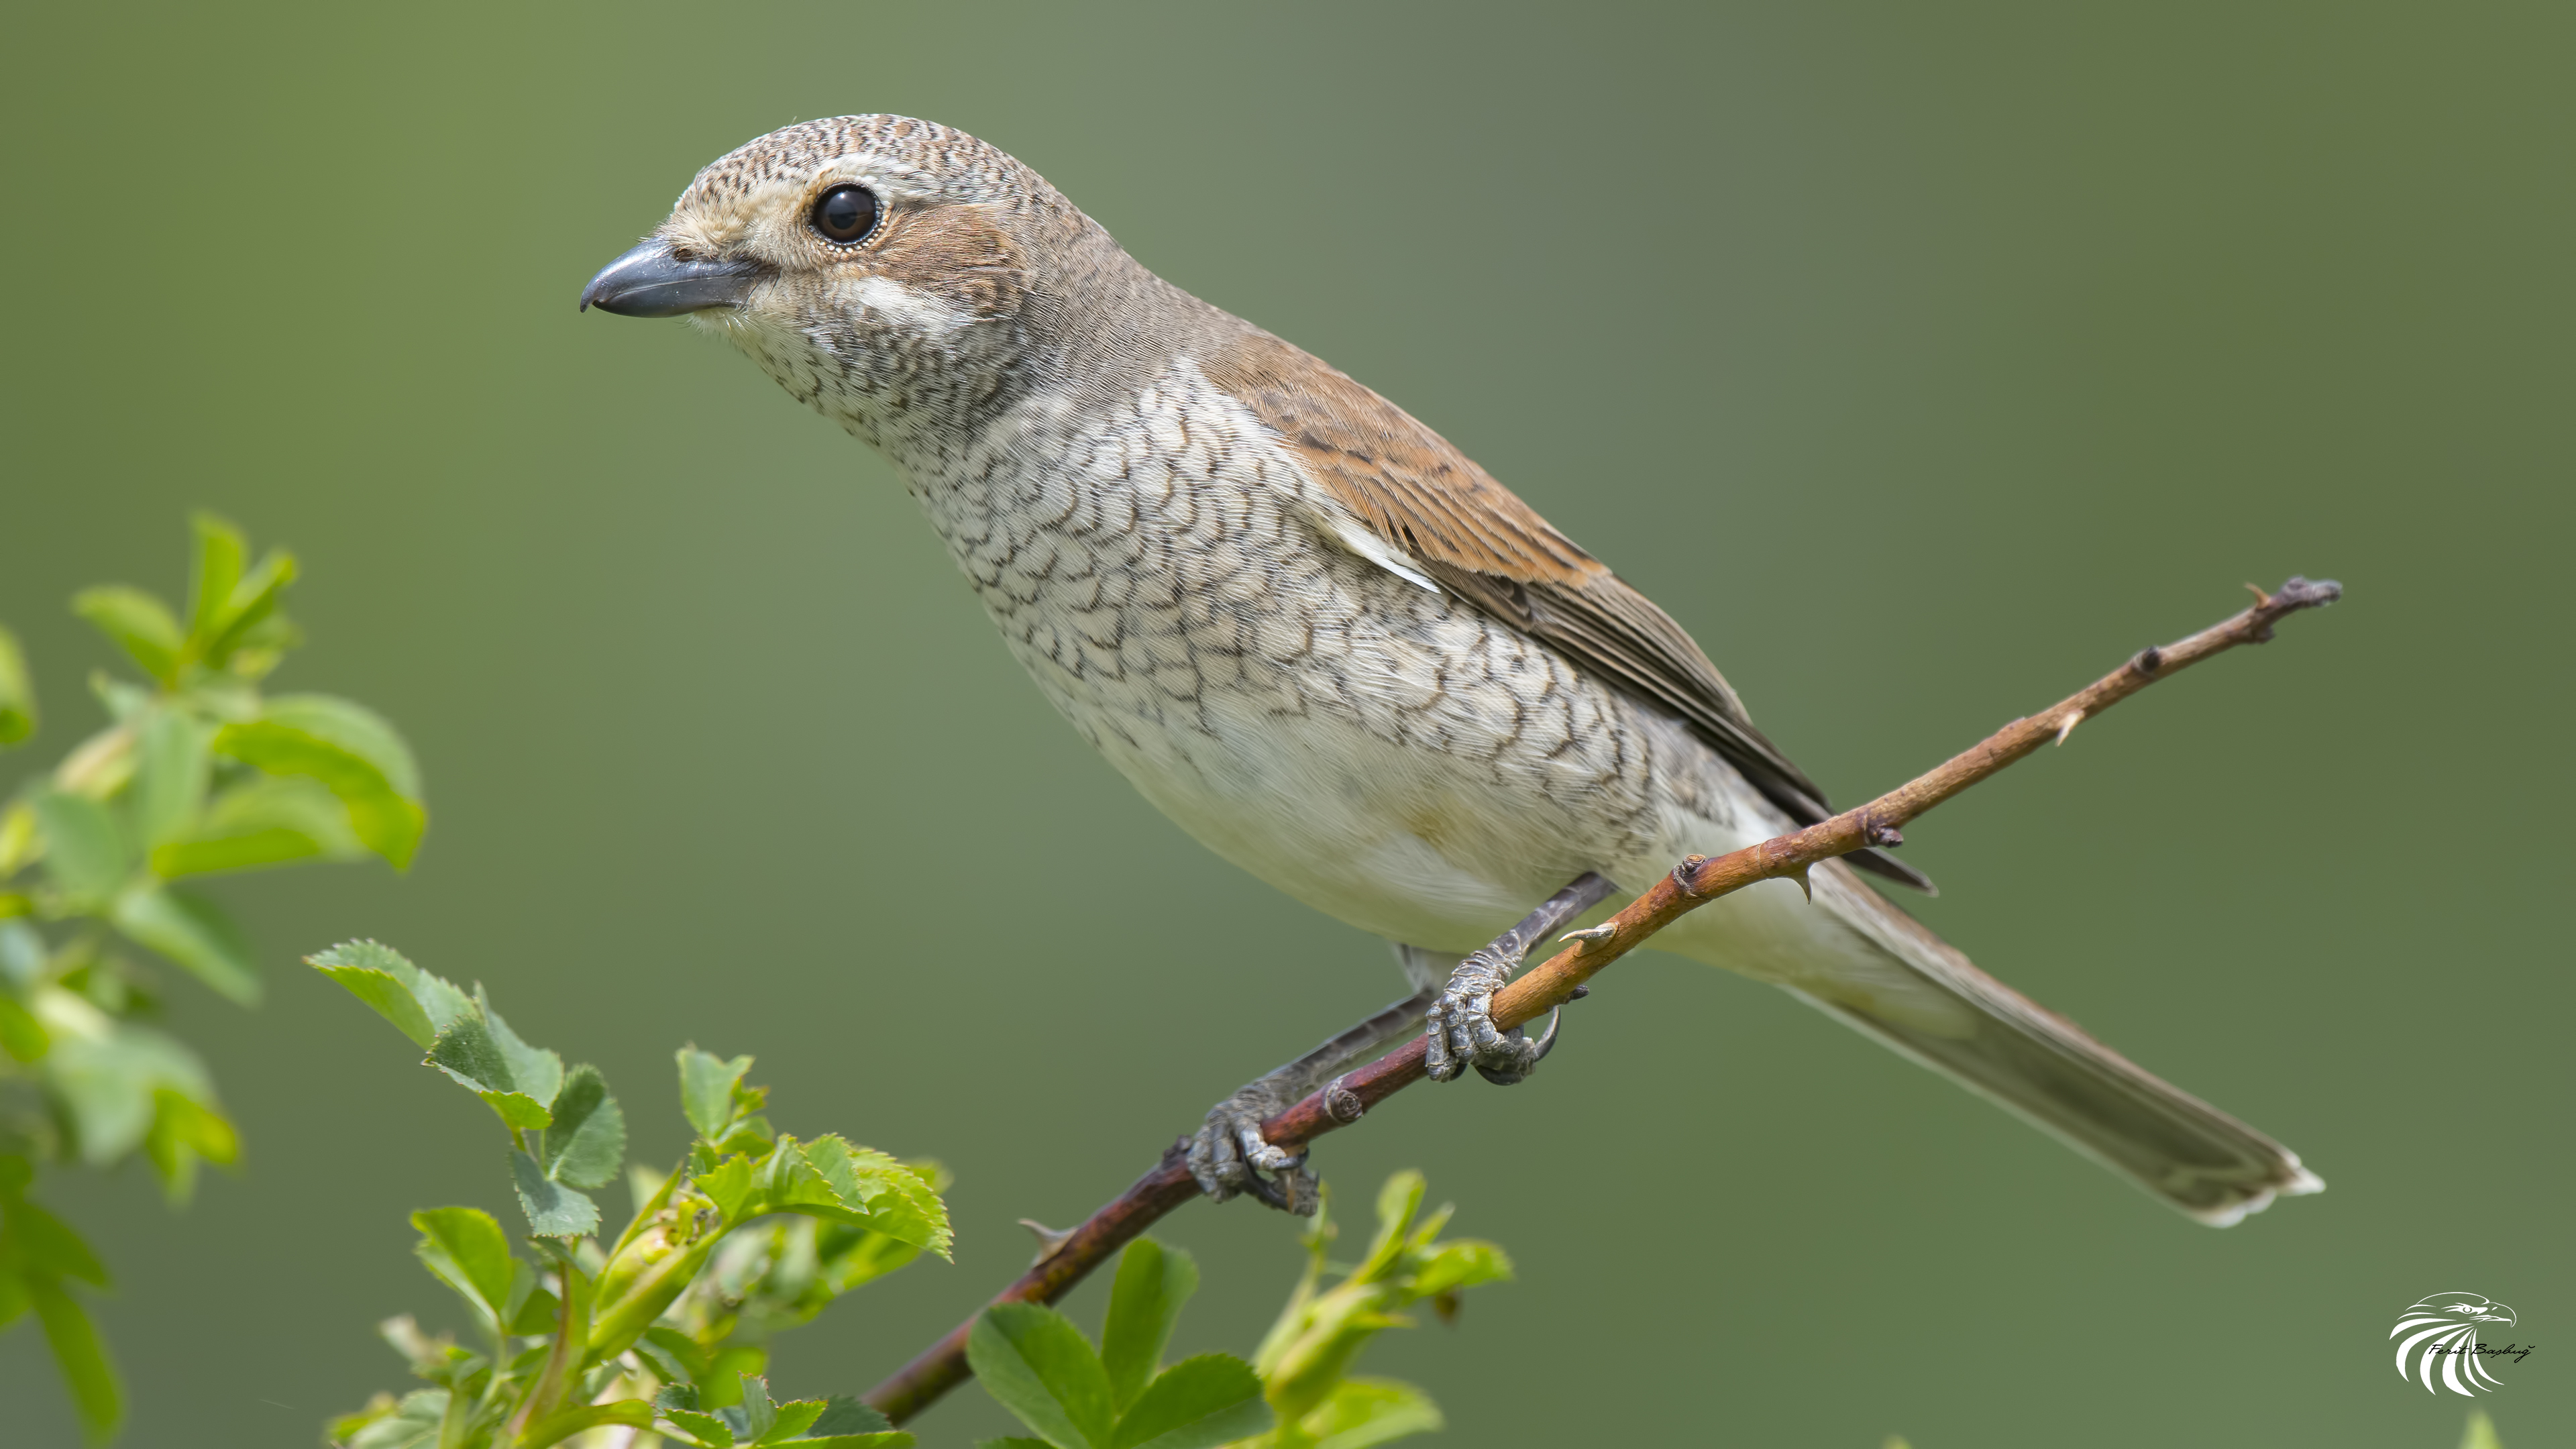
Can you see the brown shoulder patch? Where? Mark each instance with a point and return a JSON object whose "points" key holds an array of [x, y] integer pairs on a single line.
{"points": [[1406, 481]]}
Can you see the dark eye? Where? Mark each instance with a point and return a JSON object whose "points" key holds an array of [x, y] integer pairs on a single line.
{"points": [[846, 213]]}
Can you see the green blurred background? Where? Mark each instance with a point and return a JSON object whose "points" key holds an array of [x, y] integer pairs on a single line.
{"points": [[1924, 360]]}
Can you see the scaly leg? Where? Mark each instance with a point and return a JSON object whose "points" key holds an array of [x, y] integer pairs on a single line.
{"points": [[1225, 1151], [1454, 994]]}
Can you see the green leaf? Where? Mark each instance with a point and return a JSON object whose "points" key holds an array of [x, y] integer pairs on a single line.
{"points": [[222, 554], [255, 622], [411, 1424], [1367, 1412], [704, 1429], [706, 1089], [1036, 1364], [1015, 1441], [1397, 1202], [104, 1074], [139, 624], [191, 931], [46, 1245], [480, 1051], [759, 1415], [352, 751], [171, 762], [81, 1357], [894, 1199], [585, 1144], [2481, 1432], [1153, 1282], [1197, 1403], [21, 1036], [557, 1427], [385, 979], [554, 1211], [467, 1250], [1463, 1263], [185, 1131], [729, 1185], [85, 853], [17, 692], [845, 1417], [267, 820]]}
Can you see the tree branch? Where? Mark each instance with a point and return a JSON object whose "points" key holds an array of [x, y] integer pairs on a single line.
{"points": [[1692, 884]]}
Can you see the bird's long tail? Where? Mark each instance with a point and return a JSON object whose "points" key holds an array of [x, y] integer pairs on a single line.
{"points": [[1888, 976]]}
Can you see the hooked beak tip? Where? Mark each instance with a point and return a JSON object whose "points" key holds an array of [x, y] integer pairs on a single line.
{"points": [[648, 281]]}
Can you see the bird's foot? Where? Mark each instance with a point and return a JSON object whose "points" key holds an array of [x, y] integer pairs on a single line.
{"points": [[1461, 1033], [1228, 1155]]}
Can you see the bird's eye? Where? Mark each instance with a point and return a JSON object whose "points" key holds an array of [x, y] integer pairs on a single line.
{"points": [[846, 213]]}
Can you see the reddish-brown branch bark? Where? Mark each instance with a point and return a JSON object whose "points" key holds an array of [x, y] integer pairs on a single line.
{"points": [[1693, 883]]}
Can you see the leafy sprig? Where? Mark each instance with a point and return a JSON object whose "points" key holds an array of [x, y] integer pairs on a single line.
{"points": [[666, 1328], [197, 773]]}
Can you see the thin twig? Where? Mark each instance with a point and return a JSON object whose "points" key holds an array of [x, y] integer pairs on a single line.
{"points": [[1692, 884]]}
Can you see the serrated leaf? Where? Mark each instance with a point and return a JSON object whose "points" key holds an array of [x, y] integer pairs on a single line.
{"points": [[1036, 1364], [480, 1052], [1363, 1413], [1197, 1403], [585, 1144], [465, 1249], [757, 1415], [554, 1210], [85, 852], [845, 1416], [366, 968], [17, 692], [138, 623], [80, 1356], [730, 1184], [262, 822], [1145, 1301], [701, 1428], [707, 1085], [869, 1188], [193, 932], [1015, 1441]]}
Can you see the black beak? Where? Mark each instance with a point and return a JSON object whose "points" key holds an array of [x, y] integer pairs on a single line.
{"points": [[650, 282]]}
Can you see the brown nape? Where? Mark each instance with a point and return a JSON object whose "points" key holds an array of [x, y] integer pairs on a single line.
{"points": [[1483, 544]]}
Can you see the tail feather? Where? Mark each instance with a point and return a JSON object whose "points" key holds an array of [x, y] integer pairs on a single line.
{"points": [[2043, 1068]]}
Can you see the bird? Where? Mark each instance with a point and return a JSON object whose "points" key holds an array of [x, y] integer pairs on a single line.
{"points": [[1326, 643]]}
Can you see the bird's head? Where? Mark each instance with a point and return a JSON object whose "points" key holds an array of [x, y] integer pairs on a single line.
{"points": [[901, 277]]}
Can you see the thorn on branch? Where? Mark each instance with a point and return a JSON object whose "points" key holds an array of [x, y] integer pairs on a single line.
{"points": [[1049, 1239], [1602, 932], [2068, 728]]}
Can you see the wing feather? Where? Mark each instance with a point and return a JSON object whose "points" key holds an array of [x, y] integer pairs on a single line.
{"points": [[1482, 543]]}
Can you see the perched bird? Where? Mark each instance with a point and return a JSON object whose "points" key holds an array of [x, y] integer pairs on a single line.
{"points": [[1322, 640]]}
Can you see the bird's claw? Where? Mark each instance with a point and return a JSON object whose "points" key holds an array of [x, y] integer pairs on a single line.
{"points": [[1228, 1155], [1461, 1033]]}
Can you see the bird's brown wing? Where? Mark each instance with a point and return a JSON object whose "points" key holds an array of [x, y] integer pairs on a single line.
{"points": [[1478, 541]]}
